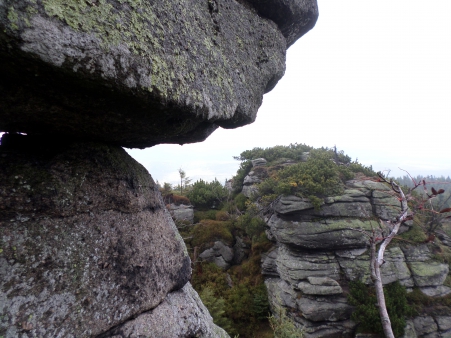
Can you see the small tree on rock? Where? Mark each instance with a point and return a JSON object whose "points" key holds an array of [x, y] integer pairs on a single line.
{"points": [[375, 239]]}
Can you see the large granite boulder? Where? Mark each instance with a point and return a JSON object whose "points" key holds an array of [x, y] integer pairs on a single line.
{"points": [[87, 243], [220, 254], [181, 314], [139, 73]]}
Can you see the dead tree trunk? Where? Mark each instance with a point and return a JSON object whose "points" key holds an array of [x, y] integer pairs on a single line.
{"points": [[377, 261]]}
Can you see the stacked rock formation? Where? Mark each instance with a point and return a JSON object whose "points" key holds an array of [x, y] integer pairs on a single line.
{"points": [[88, 248], [317, 253]]}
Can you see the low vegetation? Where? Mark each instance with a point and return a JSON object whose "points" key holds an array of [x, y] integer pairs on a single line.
{"points": [[363, 297]]}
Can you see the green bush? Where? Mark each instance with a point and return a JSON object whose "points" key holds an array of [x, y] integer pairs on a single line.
{"points": [[293, 151], [367, 314], [208, 214], [216, 307], [207, 194], [283, 327], [208, 231], [319, 176], [245, 302], [252, 226], [240, 202]]}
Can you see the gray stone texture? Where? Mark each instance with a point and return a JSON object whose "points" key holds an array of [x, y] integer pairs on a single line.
{"points": [[182, 213], [258, 162], [181, 314], [394, 268], [280, 294], [425, 271], [220, 254], [295, 266], [139, 73], [424, 325], [330, 234], [318, 251], [240, 250], [293, 17], [87, 242], [269, 265], [443, 322], [319, 309], [321, 286]]}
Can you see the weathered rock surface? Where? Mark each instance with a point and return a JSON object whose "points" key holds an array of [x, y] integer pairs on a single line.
{"points": [[294, 266], [330, 234], [182, 212], [425, 271], [87, 243], [181, 314], [320, 309], [240, 250], [323, 286], [424, 325], [293, 17], [394, 269], [317, 252], [254, 177], [139, 73], [220, 254], [258, 162]]}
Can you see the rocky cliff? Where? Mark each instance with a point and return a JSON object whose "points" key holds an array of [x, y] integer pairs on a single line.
{"points": [[88, 248], [319, 251]]}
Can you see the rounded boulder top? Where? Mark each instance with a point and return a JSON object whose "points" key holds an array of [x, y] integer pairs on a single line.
{"points": [[136, 73]]}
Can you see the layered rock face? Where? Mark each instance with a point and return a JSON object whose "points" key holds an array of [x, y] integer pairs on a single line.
{"points": [[138, 73], [318, 252], [88, 248]]}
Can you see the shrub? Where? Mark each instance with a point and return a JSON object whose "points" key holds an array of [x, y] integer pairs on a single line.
{"points": [[207, 194], [283, 327], [319, 176], [367, 314], [293, 151], [216, 307], [222, 216], [208, 231], [176, 199], [200, 215], [240, 202], [253, 226]]}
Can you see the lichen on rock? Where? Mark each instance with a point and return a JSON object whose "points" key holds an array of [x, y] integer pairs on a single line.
{"points": [[134, 72]]}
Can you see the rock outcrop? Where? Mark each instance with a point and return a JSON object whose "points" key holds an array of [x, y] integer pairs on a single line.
{"points": [[319, 251], [220, 254], [140, 73], [88, 248], [86, 240], [182, 213]]}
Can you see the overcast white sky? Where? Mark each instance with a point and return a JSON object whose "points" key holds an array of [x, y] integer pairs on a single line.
{"points": [[372, 77]]}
